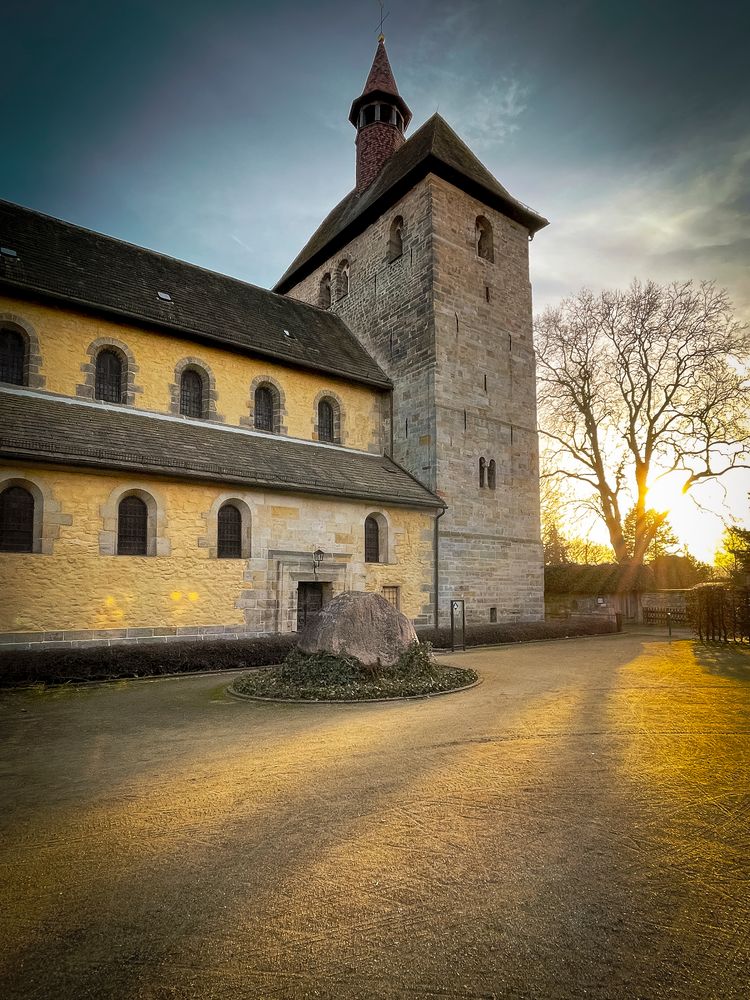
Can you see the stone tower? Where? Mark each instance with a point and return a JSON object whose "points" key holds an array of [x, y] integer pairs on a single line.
{"points": [[426, 260]]}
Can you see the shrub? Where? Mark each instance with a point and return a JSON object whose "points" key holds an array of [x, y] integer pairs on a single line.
{"points": [[719, 611], [491, 635], [53, 666]]}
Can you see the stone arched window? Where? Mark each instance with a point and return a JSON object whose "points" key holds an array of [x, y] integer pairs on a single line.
{"points": [[343, 275], [192, 394], [483, 237], [492, 474], [13, 353], [396, 239], [110, 376], [17, 521], [324, 296], [266, 405], [229, 532], [328, 419], [20, 360], [482, 471], [132, 527]]}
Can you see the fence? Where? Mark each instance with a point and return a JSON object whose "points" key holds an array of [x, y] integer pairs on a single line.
{"points": [[662, 616], [720, 612]]}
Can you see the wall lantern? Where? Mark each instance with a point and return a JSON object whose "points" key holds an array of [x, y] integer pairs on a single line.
{"points": [[317, 560]]}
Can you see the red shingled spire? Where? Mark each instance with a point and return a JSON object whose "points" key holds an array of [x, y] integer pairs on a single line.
{"points": [[380, 116]]}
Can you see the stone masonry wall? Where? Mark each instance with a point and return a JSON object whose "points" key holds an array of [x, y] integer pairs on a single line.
{"points": [[74, 591], [389, 308], [454, 332]]}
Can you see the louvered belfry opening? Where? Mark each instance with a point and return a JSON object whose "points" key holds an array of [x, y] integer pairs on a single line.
{"points": [[191, 394], [132, 527], [325, 421], [229, 532], [263, 409], [12, 356], [372, 540], [16, 520], [109, 381]]}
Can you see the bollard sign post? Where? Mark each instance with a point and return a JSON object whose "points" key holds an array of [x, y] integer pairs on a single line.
{"points": [[458, 625]]}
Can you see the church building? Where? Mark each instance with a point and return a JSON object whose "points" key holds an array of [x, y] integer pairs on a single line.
{"points": [[185, 455]]}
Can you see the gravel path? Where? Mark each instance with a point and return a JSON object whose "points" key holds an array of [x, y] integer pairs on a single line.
{"points": [[578, 826]]}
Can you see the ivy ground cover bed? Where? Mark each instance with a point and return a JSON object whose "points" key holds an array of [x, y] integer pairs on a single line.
{"points": [[324, 677]]}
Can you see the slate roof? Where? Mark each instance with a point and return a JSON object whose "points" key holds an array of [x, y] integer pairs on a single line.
{"points": [[57, 259], [52, 429], [434, 148], [598, 579]]}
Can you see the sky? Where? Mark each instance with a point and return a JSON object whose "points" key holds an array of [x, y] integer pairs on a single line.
{"points": [[217, 131]]}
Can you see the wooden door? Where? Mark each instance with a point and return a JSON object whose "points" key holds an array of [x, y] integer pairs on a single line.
{"points": [[309, 602]]}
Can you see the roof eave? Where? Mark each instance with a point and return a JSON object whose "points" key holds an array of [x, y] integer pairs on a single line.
{"points": [[430, 164], [385, 383]]}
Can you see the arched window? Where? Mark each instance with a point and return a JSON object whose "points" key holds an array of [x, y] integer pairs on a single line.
{"points": [[132, 527], [324, 299], [492, 474], [325, 421], [229, 541], [12, 356], [191, 393], [109, 380], [16, 520], [482, 468], [483, 236], [396, 239], [263, 409], [343, 279], [372, 540]]}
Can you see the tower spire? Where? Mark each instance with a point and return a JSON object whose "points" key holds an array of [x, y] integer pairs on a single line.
{"points": [[380, 116]]}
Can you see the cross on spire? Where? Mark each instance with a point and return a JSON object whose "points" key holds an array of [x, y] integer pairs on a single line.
{"points": [[381, 36]]}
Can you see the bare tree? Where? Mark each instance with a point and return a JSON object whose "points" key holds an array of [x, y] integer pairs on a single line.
{"points": [[634, 385]]}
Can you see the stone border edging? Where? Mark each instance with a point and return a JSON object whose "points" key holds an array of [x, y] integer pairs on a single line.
{"points": [[349, 701]]}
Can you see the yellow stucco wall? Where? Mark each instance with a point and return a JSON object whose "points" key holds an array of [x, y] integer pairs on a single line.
{"points": [[64, 335], [75, 587]]}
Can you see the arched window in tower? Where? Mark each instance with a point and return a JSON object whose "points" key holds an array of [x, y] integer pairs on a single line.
{"points": [[396, 239], [191, 394], [229, 541], [263, 416], [483, 236], [492, 474], [482, 471], [109, 382], [132, 527], [325, 421], [16, 520], [372, 540], [12, 356], [324, 298], [343, 279]]}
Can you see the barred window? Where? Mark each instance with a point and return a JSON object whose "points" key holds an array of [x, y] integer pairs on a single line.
{"points": [[229, 532], [391, 594], [12, 356], [109, 377], [325, 421], [16, 520], [191, 393], [372, 540], [264, 409], [132, 527]]}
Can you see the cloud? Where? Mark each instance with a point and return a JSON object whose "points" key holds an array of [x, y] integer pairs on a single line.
{"points": [[687, 220]]}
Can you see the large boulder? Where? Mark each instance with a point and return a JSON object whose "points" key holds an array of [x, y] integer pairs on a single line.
{"points": [[362, 625]]}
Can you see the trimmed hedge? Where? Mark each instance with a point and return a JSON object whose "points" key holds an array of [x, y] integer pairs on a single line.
{"points": [[102, 663], [492, 635]]}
